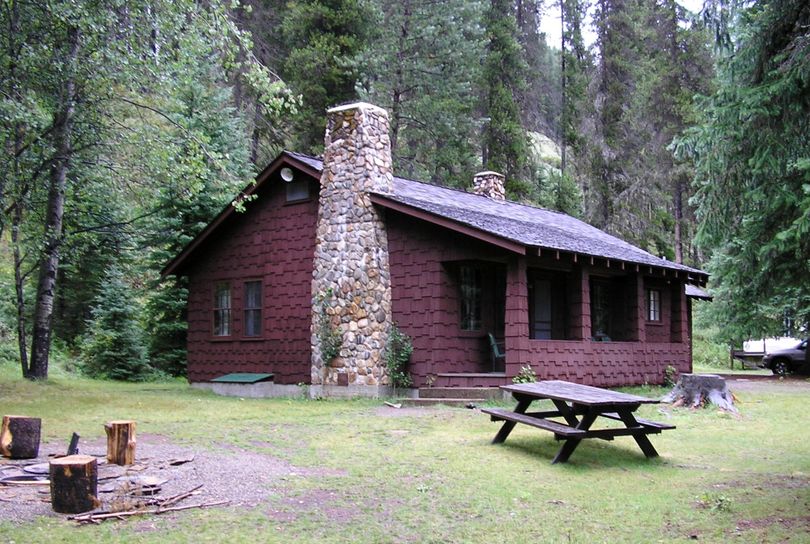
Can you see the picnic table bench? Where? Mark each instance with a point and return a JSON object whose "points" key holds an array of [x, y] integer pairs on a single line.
{"points": [[579, 406]]}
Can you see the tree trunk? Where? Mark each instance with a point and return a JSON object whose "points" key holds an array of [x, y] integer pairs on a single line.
{"points": [[19, 437], [74, 484], [563, 112], [697, 390], [120, 442], [19, 289], [49, 266], [678, 205]]}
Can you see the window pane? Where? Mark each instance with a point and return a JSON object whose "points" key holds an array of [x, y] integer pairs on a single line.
{"points": [[541, 328], [297, 190], [222, 309], [253, 308], [470, 298], [600, 310], [653, 305]]}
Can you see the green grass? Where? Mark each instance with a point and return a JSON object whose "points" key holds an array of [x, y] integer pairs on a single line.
{"points": [[435, 477]]}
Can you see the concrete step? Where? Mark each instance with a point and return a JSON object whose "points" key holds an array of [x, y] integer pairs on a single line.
{"points": [[461, 403], [460, 393]]}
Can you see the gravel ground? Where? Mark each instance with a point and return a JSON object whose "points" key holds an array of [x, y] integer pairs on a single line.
{"points": [[767, 384], [242, 477]]}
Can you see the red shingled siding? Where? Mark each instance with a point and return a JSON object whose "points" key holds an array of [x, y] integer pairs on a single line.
{"points": [[425, 306], [274, 242], [425, 296], [607, 364]]}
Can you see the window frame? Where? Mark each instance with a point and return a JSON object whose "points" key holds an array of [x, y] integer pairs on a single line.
{"points": [[297, 184], [219, 310], [653, 306], [471, 298], [248, 311]]}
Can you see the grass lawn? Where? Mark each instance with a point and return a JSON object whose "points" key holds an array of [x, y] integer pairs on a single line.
{"points": [[431, 475]]}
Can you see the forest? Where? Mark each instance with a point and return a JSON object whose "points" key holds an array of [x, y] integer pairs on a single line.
{"points": [[127, 125]]}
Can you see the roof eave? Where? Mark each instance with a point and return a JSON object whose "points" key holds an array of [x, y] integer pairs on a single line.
{"points": [[176, 264], [450, 224]]}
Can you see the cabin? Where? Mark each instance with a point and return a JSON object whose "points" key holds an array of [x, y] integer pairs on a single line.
{"points": [[336, 250]]}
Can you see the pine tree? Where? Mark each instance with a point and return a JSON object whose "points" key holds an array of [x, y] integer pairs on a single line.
{"points": [[326, 39], [752, 184], [422, 69], [113, 346], [504, 78]]}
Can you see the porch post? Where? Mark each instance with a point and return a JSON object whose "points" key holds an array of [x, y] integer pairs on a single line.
{"points": [[639, 310], [580, 304], [517, 316], [679, 329]]}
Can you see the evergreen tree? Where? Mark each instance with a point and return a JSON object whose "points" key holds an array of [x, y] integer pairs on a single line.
{"points": [[423, 69], [504, 78], [753, 170], [83, 113], [113, 346], [539, 99], [326, 39]]}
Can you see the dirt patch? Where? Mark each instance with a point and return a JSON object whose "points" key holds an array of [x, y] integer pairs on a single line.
{"points": [[244, 478], [802, 522]]}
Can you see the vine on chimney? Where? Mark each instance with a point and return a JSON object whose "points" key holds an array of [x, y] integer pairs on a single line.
{"points": [[328, 335]]}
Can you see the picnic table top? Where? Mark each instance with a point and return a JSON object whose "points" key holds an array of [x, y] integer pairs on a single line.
{"points": [[576, 393]]}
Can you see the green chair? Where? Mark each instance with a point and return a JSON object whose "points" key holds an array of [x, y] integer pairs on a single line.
{"points": [[498, 354]]}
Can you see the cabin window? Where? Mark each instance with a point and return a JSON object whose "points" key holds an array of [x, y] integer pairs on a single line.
{"points": [[222, 309], [297, 189], [470, 282], [609, 309], [653, 305], [253, 308], [548, 308]]}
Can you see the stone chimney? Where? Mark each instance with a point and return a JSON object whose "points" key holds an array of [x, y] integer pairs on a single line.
{"points": [[490, 185], [351, 289]]}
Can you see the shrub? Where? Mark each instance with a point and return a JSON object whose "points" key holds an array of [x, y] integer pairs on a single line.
{"points": [[398, 350], [328, 335], [526, 375]]}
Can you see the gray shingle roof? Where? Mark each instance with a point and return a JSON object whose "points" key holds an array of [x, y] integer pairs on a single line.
{"points": [[521, 223]]}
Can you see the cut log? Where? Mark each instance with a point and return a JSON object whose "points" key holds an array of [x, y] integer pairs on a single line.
{"points": [[74, 484], [120, 442], [695, 390], [19, 437]]}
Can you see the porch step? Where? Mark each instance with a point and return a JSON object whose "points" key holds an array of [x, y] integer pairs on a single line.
{"points": [[461, 403], [473, 380], [490, 393]]}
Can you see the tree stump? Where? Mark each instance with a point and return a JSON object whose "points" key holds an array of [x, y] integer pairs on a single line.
{"points": [[696, 390], [74, 484], [120, 442], [19, 437]]}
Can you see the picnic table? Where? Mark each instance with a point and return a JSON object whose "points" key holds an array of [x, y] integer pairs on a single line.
{"points": [[579, 406]]}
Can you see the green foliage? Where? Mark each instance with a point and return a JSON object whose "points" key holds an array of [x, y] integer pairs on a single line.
{"points": [[749, 147], [398, 350], [670, 376], [326, 38], [329, 338], [422, 69], [525, 375], [504, 77], [113, 346]]}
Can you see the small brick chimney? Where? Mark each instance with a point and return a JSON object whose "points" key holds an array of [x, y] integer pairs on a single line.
{"points": [[490, 185], [351, 288]]}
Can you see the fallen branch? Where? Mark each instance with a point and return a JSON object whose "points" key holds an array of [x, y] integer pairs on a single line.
{"points": [[179, 497], [95, 518]]}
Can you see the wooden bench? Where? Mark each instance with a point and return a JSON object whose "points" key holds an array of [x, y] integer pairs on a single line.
{"points": [[499, 414], [655, 426]]}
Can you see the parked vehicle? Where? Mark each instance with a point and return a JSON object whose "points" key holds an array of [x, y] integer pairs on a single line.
{"points": [[785, 360]]}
